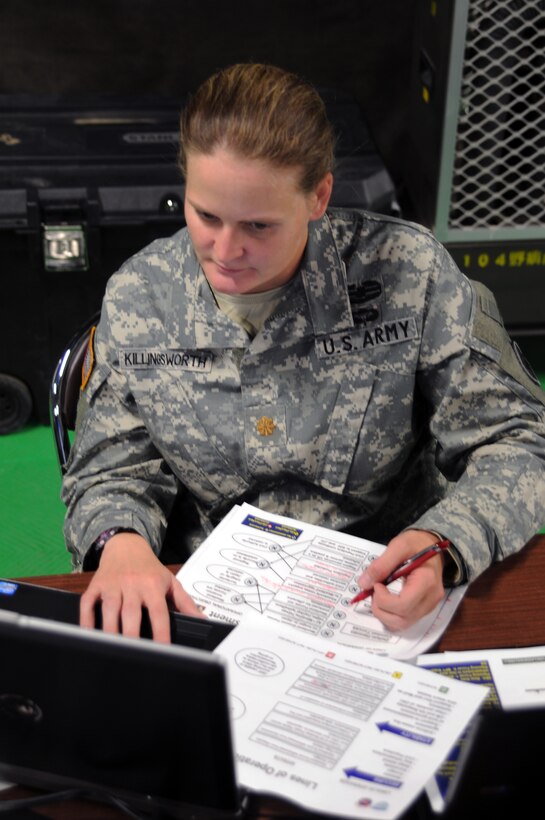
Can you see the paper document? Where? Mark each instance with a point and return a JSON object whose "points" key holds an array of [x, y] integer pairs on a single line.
{"points": [[300, 576], [516, 676], [335, 729]]}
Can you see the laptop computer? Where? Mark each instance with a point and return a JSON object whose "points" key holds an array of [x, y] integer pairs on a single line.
{"points": [[121, 719], [61, 605]]}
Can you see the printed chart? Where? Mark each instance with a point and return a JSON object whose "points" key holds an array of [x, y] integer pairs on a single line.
{"points": [[299, 576]]}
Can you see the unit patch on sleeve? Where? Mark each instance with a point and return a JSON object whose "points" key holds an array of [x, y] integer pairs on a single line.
{"points": [[143, 358], [88, 360]]}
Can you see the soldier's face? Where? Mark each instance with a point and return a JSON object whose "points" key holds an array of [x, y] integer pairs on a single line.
{"points": [[248, 220]]}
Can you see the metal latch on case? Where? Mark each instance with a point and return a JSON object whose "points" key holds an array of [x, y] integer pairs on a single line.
{"points": [[65, 247]]}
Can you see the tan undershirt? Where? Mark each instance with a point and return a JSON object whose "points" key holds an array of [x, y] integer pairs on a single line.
{"points": [[250, 310]]}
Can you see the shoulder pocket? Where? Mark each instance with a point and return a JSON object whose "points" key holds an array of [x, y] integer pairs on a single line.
{"points": [[489, 337]]}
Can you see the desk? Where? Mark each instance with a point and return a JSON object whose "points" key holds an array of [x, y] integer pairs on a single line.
{"points": [[504, 607]]}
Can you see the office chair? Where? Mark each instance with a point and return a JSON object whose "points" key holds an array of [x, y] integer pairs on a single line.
{"points": [[65, 389]]}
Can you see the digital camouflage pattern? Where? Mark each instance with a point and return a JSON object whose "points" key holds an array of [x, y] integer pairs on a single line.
{"points": [[383, 392]]}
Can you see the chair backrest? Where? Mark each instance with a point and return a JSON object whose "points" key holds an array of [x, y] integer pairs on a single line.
{"points": [[65, 389]]}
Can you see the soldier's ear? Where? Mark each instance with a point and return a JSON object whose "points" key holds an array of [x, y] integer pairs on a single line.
{"points": [[320, 197]]}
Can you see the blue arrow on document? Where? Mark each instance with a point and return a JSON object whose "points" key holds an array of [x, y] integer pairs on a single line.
{"points": [[387, 727], [373, 778]]}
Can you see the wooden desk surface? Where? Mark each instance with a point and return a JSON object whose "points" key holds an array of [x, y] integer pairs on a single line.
{"points": [[504, 607]]}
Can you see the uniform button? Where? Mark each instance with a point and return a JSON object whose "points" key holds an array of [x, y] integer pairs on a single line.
{"points": [[265, 426]]}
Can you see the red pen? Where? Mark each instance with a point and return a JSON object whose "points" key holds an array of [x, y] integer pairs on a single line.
{"points": [[406, 567]]}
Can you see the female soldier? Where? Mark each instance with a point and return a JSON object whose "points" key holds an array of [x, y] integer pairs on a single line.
{"points": [[333, 366]]}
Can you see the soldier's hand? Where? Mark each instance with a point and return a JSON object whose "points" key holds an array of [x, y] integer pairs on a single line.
{"points": [[129, 577], [422, 588]]}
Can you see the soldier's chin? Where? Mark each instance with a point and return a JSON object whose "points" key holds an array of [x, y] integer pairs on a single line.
{"points": [[230, 281]]}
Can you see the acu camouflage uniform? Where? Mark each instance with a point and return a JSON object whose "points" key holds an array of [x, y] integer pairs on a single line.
{"points": [[383, 392]]}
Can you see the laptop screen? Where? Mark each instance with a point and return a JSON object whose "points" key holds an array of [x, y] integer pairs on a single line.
{"points": [[144, 722]]}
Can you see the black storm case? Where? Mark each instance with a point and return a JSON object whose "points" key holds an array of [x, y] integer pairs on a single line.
{"points": [[86, 182]]}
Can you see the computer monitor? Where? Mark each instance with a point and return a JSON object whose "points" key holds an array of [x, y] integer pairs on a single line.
{"points": [[141, 722]]}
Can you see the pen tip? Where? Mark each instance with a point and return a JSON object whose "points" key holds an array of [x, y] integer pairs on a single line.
{"points": [[361, 596]]}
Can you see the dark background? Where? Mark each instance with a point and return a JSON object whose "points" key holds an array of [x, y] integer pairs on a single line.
{"points": [[167, 47]]}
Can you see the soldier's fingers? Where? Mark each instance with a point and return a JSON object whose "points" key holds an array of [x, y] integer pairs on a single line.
{"points": [[183, 602], [160, 620], [87, 609], [420, 593], [111, 604], [130, 616], [394, 613]]}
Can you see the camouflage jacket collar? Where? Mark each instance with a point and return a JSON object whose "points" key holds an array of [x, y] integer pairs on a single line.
{"points": [[320, 288]]}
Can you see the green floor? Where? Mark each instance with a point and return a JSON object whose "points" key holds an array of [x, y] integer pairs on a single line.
{"points": [[31, 513]]}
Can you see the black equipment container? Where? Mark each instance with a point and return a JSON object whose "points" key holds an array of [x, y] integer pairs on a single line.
{"points": [[86, 182]]}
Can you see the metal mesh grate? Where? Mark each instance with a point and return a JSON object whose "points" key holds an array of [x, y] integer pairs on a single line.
{"points": [[499, 165]]}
